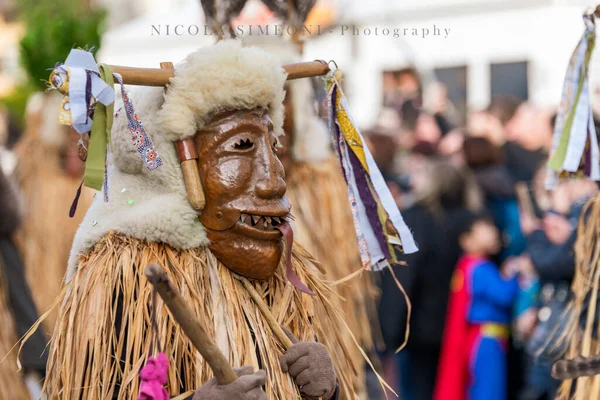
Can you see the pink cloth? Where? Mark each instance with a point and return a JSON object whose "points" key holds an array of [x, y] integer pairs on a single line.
{"points": [[154, 376]]}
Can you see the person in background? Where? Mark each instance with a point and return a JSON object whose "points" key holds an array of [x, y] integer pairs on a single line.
{"points": [[383, 148], [528, 139], [498, 187], [473, 363], [451, 146], [444, 193], [549, 256], [17, 309], [427, 130]]}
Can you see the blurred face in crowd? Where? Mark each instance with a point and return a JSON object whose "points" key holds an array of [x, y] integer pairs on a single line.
{"points": [[420, 170], [485, 125], [451, 146], [427, 129], [483, 239], [570, 192], [408, 83], [530, 127]]}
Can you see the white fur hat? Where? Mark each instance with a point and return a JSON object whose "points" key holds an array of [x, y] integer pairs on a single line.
{"points": [[220, 77], [312, 142], [153, 205]]}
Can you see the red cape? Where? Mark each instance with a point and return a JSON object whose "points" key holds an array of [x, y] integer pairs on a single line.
{"points": [[453, 369]]}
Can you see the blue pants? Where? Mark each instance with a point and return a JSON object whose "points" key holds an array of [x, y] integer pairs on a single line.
{"points": [[488, 370]]}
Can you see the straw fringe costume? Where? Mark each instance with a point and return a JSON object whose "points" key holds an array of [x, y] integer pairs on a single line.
{"points": [[11, 381], [47, 232], [103, 333], [581, 333], [17, 311]]}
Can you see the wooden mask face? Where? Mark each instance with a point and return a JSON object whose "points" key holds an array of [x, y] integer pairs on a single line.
{"points": [[244, 186]]}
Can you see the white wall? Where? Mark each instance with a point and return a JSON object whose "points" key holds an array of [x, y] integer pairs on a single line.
{"points": [[542, 32], [545, 36]]}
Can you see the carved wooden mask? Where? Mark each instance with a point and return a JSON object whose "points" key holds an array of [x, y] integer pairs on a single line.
{"points": [[244, 186]]}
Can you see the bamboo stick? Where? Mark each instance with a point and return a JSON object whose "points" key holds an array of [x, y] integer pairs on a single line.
{"points": [[264, 309], [161, 76], [190, 325]]}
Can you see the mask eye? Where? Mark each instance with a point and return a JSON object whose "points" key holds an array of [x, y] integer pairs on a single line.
{"points": [[244, 144]]}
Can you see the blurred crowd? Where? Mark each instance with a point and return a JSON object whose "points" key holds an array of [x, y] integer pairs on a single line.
{"points": [[473, 186]]}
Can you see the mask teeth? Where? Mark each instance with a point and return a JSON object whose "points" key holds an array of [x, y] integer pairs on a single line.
{"points": [[243, 218], [276, 219], [289, 217], [255, 219], [266, 223]]}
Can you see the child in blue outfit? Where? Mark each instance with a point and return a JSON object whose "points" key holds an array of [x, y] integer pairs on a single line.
{"points": [[474, 352]]}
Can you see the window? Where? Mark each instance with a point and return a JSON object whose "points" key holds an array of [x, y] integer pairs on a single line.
{"points": [[509, 79]]}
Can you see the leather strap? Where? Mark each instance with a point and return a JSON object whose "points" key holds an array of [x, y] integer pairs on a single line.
{"points": [[288, 236]]}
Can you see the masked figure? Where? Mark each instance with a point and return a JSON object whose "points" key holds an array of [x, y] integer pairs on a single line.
{"points": [[319, 198], [229, 100], [49, 173]]}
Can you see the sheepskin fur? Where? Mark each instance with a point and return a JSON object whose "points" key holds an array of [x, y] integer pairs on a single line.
{"points": [[312, 143], [222, 77], [153, 205]]}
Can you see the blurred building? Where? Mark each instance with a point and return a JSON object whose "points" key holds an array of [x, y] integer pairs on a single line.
{"points": [[493, 47], [478, 48]]}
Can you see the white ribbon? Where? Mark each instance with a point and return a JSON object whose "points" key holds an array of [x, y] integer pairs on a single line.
{"points": [[78, 63]]}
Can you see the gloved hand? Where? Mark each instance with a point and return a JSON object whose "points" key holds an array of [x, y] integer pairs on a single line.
{"points": [[310, 364], [246, 387]]}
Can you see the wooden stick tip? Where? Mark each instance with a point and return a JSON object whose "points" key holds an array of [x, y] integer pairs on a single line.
{"points": [[155, 273]]}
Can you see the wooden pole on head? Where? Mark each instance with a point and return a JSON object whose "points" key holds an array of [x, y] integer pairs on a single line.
{"points": [[188, 157], [161, 77]]}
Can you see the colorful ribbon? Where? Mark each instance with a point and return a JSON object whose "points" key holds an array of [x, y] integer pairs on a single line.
{"points": [[153, 378], [370, 200], [88, 106], [575, 145], [140, 138], [80, 81]]}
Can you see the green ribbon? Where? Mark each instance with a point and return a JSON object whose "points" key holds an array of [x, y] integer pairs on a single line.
{"points": [[99, 137], [557, 160]]}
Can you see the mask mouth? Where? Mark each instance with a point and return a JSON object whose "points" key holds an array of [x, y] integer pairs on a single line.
{"points": [[261, 227], [263, 222]]}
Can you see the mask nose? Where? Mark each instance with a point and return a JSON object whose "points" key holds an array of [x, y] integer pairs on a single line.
{"points": [[271, 188], [271, 185]]}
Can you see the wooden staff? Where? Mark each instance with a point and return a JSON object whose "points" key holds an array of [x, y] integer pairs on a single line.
{"points": [[264, 309], [576, 368], [161, 77], [190, 325]]}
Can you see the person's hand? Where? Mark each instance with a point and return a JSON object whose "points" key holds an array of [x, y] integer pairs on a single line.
{"points": [[561, 198], [526, 322], [248, 386], [557, 228], [509, 268], [310, 364], [529, 223], [525, 266]]}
